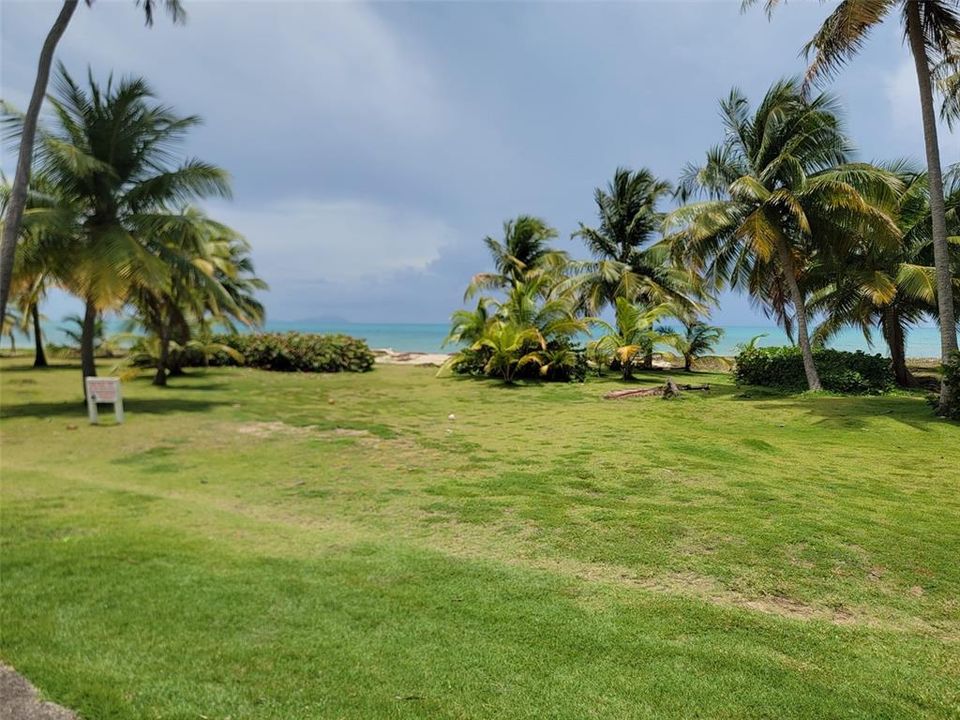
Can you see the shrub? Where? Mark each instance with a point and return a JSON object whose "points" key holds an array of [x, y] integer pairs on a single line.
{"points": [[297, 352], [855, 373], [560, 362]]}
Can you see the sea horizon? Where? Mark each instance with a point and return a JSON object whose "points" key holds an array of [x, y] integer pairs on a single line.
{"points": [[922, 342]]}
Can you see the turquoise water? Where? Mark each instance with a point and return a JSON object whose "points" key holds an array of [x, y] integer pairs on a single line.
{"points": [[428, 337]]}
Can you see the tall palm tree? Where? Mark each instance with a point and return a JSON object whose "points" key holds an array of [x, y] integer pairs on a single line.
{"points": [[932, 28], [111, 154], [780, 188], [524, 250], [891, 287], [21, 180], [630, 261]]}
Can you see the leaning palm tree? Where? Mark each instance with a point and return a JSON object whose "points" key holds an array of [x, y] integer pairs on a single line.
{"points": [[14, 212], [932, 28], [200, 256], [111, 154], [779, 188]]}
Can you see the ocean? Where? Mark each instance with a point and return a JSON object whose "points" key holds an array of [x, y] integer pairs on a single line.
{"points": [[428, 337]]}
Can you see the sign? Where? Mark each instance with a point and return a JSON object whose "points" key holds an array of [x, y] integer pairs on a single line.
{"points": [[105, 391]]}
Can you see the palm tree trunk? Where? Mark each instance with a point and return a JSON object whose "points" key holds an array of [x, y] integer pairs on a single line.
{"points": [[648, 360], [160, 379], [39, 357], [796, 297], [893, 334], [21, 179], [941, 252], [687, 362], [88, 364]]}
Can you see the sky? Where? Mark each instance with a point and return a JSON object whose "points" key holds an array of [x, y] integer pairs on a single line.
{"points": [[373, 145]]}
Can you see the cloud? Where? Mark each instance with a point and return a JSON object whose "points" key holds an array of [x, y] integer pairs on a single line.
{"points": [[329, 245]]}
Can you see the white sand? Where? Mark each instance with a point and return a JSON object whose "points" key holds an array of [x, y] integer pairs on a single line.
{"points": [[387, 356]]}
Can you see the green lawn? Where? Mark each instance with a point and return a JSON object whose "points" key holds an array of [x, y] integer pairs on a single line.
{"points": [[256, 545]]}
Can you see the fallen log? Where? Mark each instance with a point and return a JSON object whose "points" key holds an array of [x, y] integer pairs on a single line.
{"points": [[668, 390]]}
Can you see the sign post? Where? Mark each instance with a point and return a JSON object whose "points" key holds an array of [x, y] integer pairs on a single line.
{"points": [[105, 391]]}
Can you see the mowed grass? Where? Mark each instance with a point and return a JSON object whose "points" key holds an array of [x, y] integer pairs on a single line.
{"points": [[257, 545]]}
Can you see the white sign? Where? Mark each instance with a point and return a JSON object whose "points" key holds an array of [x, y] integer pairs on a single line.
{"points": [[105, 391]]}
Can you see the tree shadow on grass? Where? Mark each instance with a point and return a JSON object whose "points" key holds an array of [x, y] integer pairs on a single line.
{"points": [[73, 409], [54, 366], [851, 412]]}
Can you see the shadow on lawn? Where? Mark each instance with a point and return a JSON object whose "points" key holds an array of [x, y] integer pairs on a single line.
{"points": [[850, 412], [145, 406]]}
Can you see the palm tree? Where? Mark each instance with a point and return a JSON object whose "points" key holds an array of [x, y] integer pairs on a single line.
{"points": [[111, 155], [203, 282], [696, 340], [12, 322], [29, 299], [467, 326], [891, 288], [524, 250], [630, 262], [21, 178], [534, 322], [634, 332], [508, 346], [50, 234], [932, 28], [779, 188]]}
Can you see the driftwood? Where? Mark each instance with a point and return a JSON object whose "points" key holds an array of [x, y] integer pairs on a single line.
{"points": [[667, 390]]}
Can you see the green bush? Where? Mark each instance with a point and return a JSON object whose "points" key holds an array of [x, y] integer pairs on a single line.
{"points": [[297, 352], [854, 373], [564, 363]]}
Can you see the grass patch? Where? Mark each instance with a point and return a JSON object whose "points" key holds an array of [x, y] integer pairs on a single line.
{"points": [[263, 545]]}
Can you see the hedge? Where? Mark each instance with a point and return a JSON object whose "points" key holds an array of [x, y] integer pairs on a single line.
{"points": [[855, 373], [297, 352]]}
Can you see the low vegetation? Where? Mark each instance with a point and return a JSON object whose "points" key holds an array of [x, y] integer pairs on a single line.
{"points": [[843, 372], [292, 352]]}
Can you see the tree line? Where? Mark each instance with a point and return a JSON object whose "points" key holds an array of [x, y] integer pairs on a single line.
{"points": [[110, 216], [777, 209]]}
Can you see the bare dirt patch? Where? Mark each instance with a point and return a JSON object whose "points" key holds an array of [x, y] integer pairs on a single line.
{"points": [[278, 428]]}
